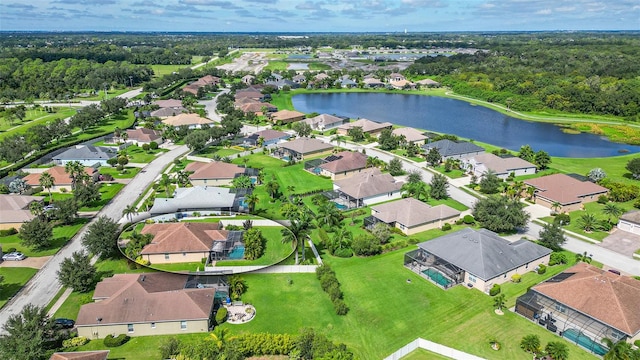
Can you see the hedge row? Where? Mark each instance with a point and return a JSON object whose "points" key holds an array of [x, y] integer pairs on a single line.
{"points": [[265, 344], [110, 341], [330, 284]]}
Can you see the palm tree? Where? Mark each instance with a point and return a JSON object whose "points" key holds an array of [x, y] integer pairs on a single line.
{"points": [[531, 192], [237, 286], [36, 208], [129, 211], [530, 343], [612, 210], [588, 222], [328, 214], [242, 182], [339, 139], [498, 302], [583, 257], [272, 188], [556, 206], [557, 350], [260, 177], [620, 350], [296, 234], [165, 183], [342, 238], [220, 337], [75, 171], [252, 200], [47, 182]]}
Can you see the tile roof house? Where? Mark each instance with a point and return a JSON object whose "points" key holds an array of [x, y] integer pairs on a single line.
{"points": [[501, 166], [321, 76], [372, 128], [215, 173], [258, 108], [81, 355], [268, 136], [428, 83], [87, 155], [286, 116], [411, 216], [325, 121], [198, 198], [301, 147], [202, 82], [280, 84], [373, 83], [61, 180], [146, 304], [395, 77], [168, 111], [570, 193], [479, 258], [340, 165], [188, 242], [299, 79], [193, 121], [346, 82], [411, 135], [143, 136], [586, 301], [14, 210], [248, 79], [402, 84], [169, 103], [454, 149], [630, 222], [367, 187]]}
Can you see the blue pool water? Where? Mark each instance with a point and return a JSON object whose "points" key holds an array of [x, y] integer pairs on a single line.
{"points": [[437, 277], [237, 253], [584, 341], [341, 206]]}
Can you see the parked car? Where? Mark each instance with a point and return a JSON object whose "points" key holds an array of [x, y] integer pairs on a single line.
{"points": [[64, 323], [13, 256]]}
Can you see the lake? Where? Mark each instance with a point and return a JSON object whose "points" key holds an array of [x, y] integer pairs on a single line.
{"points": [[462, 119]]}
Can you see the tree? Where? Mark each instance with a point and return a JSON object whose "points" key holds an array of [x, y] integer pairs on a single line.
{"points": [[620, 350], [129, 211], [196, 140], [439, 186], [47, 182], [113, 105], [28, 335], [417, 190], [498, 301], [584, 257], [382, 232], [252, 200], [612, 210], [101, 238], [36, 234], [272, 188], [596, 174], [633, 166], [387, 140], [542, 160], [500, 214], [76, 172], [395, 167], [433, 157], [588, 222], [490, 182], [296, 234], [77, 272], [356, 133], [552, 236], [237, 286], [87, 192], [66, 211], [527, 153], [182, 178], [341, 239], [242, 182], [557, 350], [301, 128], [254, 244], [329, 215], [414, 176], [165, 183], [36, 209], [530, 343], [18, 186]]}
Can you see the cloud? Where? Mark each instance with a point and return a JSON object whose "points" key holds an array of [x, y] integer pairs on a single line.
{"points": [[19, 6], [84, 2]]}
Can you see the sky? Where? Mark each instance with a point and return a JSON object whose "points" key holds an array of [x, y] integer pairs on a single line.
{"points": [[319, 15]]}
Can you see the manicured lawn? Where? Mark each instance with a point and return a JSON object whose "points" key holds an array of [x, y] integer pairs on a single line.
{"points": [[140, 347], [403, 153], [275, 250], [14, 280], [138, 155], [613, 166], [161, 70], [179, 267], [33, 118], [61, 235], [71, 306], [220, 151], [449, 202], [301, 180], [453, 174], [422, 354], [108, 191], [127, 173], [108, 267]]}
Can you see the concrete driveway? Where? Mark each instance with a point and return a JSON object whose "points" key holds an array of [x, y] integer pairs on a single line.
{"points": [[622, 242], [31, 262]]}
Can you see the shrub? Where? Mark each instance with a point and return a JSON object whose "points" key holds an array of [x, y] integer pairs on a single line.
{"points": [[203, 260], [459, 222], [334, 292], [169, 348], [76, 341], [637, 343], [563, 219], [146, 147], [636, 204], [468, 219], [495, 290], [110, 341], [343, 253], [10, 250], [542, 269], [603, 199], [328, 280], [557, 258], [265, 344], [364, 245], [340, 307], [446, 227], [221, 315], [8, 232], [516, 278], [153, 145]]}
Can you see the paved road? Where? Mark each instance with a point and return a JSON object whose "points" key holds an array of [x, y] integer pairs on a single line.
{"points": [[210, 106], [41, 289]]}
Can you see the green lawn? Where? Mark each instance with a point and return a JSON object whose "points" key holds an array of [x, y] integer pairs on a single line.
{"points": [[403, 153], [422, 354], [33, 118], [14, 279], [138, 155], [140, 347], [161, 70], [61, 235], [71, 306], [127, 173], [275, 250], [220, 151], [108, 191], [453, 174], [179, 267], [613, 166]]}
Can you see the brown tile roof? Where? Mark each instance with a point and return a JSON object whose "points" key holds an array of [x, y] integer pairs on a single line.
{"points": [[256, 107], [144, 298], [15, 208], [323, 119], [306, 145], [143, 134], [168, 111], [169, 103], [368, 183], [631, 216], [269, 134], [427, 82], [81, 355], [321, 76], [564, 189], [60, 177], [213, 170], [366, 125], [186, 119], [347, 161], [610, 298], [502, 165], [410, 134], [284, 115], [411, 212], [253, 94], [182, 237], [401, 83]]}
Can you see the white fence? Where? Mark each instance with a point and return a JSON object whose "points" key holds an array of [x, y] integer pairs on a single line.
{"points": [[421, 343]]}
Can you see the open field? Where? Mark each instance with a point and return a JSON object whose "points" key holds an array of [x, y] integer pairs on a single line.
{"points": [[33, 118], [61, 234], [422, 354]]}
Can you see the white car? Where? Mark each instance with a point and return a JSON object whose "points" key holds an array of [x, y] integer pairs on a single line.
{"points": [[14, 256]]}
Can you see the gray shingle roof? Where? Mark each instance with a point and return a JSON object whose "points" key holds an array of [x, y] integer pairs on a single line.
{"points": [[483, 253], [88, 152], [451, 148], [197, 197]]}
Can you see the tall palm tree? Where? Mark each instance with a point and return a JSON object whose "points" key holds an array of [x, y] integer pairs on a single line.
{"points": [[75, 171], [612, 210], [342, 238], [260, 177], [620, 350], [339, 139], [182, 177], [328, 214], [129, 211], [242, 182], [252, 200], [47, 182], [556, 206], [296, 234], [272, 188], [237, 286], [165, 183]]}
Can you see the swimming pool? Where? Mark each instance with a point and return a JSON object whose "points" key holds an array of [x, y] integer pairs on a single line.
{"points": [[584, 341], [237, 253], [437, 277], [341, 206]]}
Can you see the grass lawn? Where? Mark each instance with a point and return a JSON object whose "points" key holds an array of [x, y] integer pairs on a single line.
{"points": [[220, 151], [61, 234], [453, 174], [140, 347], [33, 118], [277, 66], [403, 153], [613, 166], [422, 354], [449, 202], [71, 306], [108, 191], [161, 70], [127, 173], [180, 267], [138, 155], [275, 250], [318, 66], [108, 267], [14, 280]]}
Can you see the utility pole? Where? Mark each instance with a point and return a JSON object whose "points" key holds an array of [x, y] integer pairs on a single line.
{"points": [[131, 80]]}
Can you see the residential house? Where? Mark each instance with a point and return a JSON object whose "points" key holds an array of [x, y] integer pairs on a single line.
{"points": [[248, 79], [367, 187], [250, 93], [478, 258], [141, 136], [411, 135], [368, 127], [215, 173], [324, 122], [202, 82], [81, 355], [402, 85], [147, 304], [346, 82], [585, 304], [280, 84], [169, 103], [14, 210], [87, 155], [411, 216], [268, 136], [199, 198], [449, 149], [258, 108], [165, 112], [338, 166], [61, 180], [564, 190], [286, 116], [299, 79], [193, 121], [299, 148], [428, 83], [501, 166], [185, 242], [321, 76], [372, 83], [394, 77], [630, 222]]}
